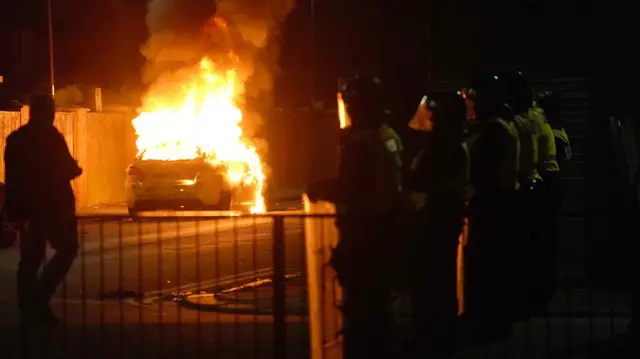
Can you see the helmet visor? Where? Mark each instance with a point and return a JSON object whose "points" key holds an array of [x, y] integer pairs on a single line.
{"points": [[343, 116], [421, 121]]}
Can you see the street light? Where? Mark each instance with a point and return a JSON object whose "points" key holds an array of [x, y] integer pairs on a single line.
{"points": [[53, 89]]}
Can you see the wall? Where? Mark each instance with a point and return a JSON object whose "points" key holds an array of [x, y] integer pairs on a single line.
{"points": [[105, 149], [9, 122], [103, 144], [301, 149]]}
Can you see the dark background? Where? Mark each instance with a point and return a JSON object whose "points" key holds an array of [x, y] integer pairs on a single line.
{"points": [[97, 43]]}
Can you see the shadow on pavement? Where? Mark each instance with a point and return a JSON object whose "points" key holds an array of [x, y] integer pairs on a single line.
{"points": [[114, 330]]}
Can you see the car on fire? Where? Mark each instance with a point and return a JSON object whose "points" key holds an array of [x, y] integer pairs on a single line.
{"points": [[193, 184]]}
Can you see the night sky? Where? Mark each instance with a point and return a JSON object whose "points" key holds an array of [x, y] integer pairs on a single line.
{"points": [[97, 42]]}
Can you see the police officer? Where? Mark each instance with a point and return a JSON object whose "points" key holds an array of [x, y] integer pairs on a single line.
{"points": [[494, 175], [547, 101], [438, 179], [367, 193], [546, 110], [518, 96], [536, 155]]}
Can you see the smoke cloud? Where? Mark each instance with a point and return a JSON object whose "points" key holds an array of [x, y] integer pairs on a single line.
{"points": [[239, 34]]}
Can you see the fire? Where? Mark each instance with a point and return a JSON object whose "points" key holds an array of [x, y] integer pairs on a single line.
{"points": [[201, 118]]}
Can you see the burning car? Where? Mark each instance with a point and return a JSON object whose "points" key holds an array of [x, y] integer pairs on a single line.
{"points": [[193, 184], [192, 151]]}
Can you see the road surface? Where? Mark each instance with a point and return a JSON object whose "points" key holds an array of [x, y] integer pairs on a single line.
{"points": [[161, 255], [154, 257], [170, 255]]}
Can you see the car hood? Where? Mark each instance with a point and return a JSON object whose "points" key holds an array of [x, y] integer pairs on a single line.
{"points": [[175, 170]]}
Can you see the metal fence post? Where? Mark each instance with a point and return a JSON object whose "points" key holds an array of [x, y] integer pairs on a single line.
{"points": [[279, 295]]}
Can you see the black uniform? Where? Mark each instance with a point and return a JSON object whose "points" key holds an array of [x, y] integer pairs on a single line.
{"points": [[439, 175], [39, 195], [367, 194], [489, 253]]}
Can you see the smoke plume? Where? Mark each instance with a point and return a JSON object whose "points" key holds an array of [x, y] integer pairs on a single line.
{"points": [[239, 34]]}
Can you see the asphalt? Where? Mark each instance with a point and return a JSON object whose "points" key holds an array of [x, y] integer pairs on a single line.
{"points": [[153, 258], [117, 301], [123, 330]]}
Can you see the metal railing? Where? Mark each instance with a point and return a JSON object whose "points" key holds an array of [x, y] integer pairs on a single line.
{"points": [[181, 286], [235, 287]]}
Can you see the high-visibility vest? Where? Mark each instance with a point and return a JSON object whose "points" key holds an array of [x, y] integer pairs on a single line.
{"points": [[546, 143], [384, 173], [528, 131], [563, 156], [440, 171], [394, 148], [495, 173]]}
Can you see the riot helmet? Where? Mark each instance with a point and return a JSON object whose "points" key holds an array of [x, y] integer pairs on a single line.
{"points": [[516, 91], [449, 111], [484, 98], [548, 102], [360, 102]]}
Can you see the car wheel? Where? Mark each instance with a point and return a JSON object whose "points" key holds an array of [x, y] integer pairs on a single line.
{"points": [[133, 213], [225, 201]]}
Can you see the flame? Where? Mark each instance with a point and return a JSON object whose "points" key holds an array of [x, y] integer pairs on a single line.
{"points": [[345, 121], [201, 119]]}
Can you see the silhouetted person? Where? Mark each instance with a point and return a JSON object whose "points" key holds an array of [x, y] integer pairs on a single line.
{"points": [[490, 252], [367, 193], [537, 156], [555, 154], [438, 181], [38, 169]]}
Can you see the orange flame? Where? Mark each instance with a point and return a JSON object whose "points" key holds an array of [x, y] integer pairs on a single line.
{"points": [[201, 119]]}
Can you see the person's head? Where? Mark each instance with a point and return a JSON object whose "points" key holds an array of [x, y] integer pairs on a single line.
{"points": [[42, 110], [548, 102], [363, 100], [516, 91], [484, 97], [448, 111]]}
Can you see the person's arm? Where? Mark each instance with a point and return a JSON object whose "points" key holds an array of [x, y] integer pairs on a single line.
{"points": [[354, 184], [66, 164], [339, 190], [13, 180]]}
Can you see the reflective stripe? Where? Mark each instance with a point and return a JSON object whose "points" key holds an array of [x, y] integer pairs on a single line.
{"points": [[393, 145], [547, 161], [527, 127]]}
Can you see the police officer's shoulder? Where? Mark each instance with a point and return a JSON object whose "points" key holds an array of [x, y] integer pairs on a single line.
{"points": [[496, 123], [392, 144], [363, 138], [537, 114], [521, 118], [500, 127]]}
